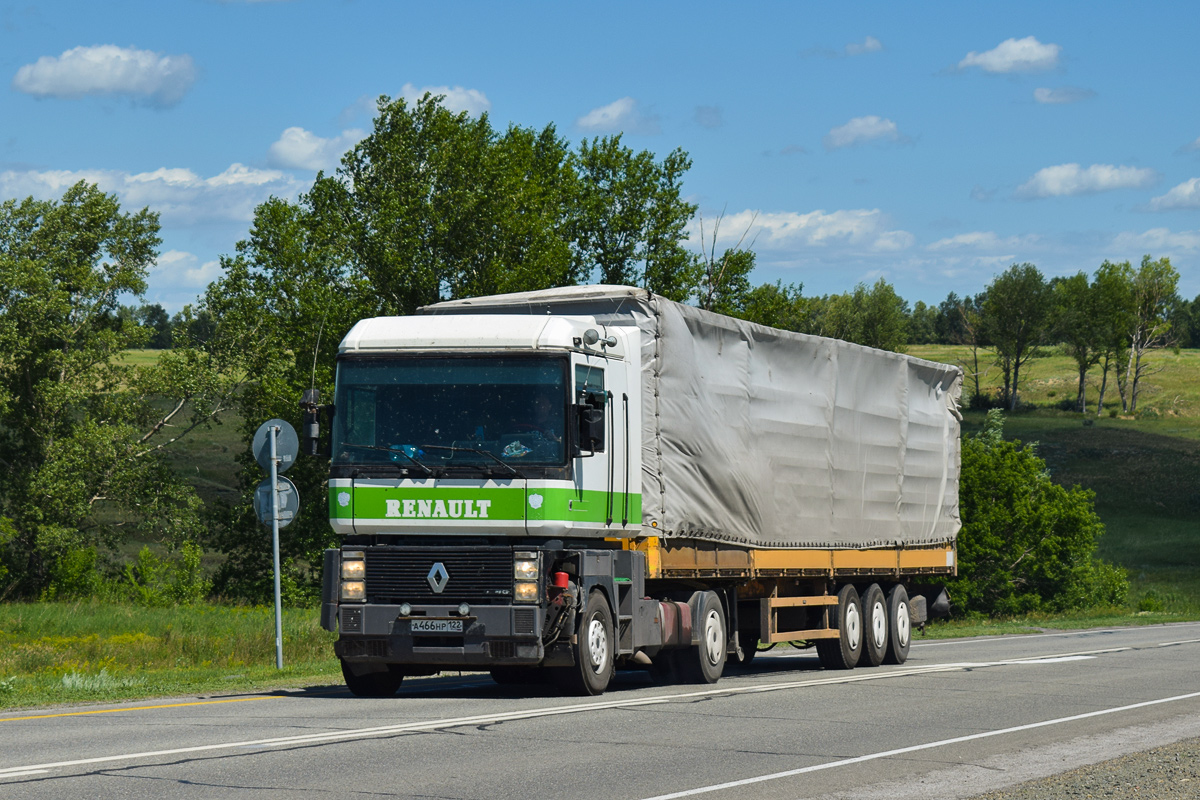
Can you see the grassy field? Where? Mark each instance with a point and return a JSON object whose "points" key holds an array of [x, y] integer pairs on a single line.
{"points": [[1144, 469], [54, 653]]}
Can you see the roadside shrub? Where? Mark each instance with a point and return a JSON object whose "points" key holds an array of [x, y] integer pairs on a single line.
{"points": [[76, 575], [1026, 544], [154, 581]]}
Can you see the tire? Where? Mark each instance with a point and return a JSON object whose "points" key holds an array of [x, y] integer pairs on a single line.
{"points": [[843, 652], [372, 684], [705, 662], [875, 627], [899, 627], [595, 650]]}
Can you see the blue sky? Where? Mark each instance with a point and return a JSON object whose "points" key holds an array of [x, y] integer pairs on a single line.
{"points": [[930, 144]]}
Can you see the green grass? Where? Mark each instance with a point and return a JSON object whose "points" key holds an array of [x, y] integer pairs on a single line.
{"points": [[53, 653]]}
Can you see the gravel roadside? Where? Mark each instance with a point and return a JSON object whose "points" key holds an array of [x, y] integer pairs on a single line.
{"points": [[1171, 772]]}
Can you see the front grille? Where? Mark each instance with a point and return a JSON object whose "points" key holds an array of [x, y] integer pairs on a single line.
{"points": [[523, 621], [351, 620], [475, 574], [499, 649]]}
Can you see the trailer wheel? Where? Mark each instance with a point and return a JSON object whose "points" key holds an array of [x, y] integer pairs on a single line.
{"points": [[705, 662], [875, 627], [371, 684], [594, 649], [843, 652], [899, 627]]}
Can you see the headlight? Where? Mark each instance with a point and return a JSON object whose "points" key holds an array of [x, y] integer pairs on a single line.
{"points": [[525, 592], [525, 570], [354, 570], [354, 590]]}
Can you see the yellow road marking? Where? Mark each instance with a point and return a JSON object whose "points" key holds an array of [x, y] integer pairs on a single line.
{"points": [[142, 708]]}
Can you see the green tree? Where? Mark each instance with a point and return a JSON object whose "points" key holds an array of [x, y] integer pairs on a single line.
{"points": [[875, 317], [630, 218], [1026, 543], [155, 318], [1078, 326], [922, 324], [83, 436], [1112, 287], [1153, 296], [1016, 315], [777, 305]]}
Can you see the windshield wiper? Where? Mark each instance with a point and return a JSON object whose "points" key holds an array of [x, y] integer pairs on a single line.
{"points": [[481, 452], [487, 453], [430, 471]]}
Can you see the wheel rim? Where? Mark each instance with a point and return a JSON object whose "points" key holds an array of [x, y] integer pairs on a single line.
{"points": [[713, 644], [902, 624], [879, 624], [597, 646], [853, 626]]}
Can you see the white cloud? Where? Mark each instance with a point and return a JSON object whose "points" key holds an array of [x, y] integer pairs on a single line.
{"points": [[1192, 147], [178, 194], [981, 240], [182, 269], [301, 149], [862, 129], [624, 115], [870, 45], [864, 229], [1015, 55], [1185, 195], [1072, 179], [1062, 95], [1157, 240], [455, 98], [160, 80]]}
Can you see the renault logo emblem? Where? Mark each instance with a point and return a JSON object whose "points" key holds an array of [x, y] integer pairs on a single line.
{"points": [[438, 578]]}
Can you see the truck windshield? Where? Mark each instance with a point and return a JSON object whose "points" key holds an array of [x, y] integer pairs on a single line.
{"points": [[438, 413]]}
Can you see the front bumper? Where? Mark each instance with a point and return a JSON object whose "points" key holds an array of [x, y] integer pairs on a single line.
{"points": [[492, 635]]}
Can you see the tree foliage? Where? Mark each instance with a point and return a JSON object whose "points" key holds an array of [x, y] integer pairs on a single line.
{"points": [[1016, 316], [1026, 543], [84, 436]]}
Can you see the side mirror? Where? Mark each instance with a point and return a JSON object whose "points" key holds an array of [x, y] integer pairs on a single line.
{"points": [[590, 418]]}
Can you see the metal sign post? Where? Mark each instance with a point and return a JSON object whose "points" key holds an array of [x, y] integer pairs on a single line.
{"points": [[275, 447], [275, 545]]}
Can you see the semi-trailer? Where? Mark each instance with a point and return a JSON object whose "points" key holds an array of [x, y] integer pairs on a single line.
{"points": [[554, 484]]}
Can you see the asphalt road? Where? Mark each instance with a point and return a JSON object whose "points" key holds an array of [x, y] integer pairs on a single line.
{"points": [[960, 718]]}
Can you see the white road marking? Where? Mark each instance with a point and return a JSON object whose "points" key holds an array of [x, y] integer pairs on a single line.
{"points": [[917, 747], [492, 719], [6, 774], [1023, 636]]}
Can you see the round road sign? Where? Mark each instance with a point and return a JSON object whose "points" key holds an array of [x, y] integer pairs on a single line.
{"points": [[289, 501], [287, 445]]}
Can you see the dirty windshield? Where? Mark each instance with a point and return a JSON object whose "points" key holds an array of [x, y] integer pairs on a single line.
{"points": [[441, 413]]}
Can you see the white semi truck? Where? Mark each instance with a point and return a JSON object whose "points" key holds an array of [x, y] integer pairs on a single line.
{"points": [[555, 484]]}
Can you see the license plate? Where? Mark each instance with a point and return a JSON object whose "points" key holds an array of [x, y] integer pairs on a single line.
{"points": [[436, 625]]}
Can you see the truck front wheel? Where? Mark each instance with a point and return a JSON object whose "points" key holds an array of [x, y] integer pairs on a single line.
{"points": [[376, 683], [594, 648]]}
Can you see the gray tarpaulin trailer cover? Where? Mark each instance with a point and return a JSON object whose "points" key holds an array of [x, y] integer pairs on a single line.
{"points": [[767, 438]]}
